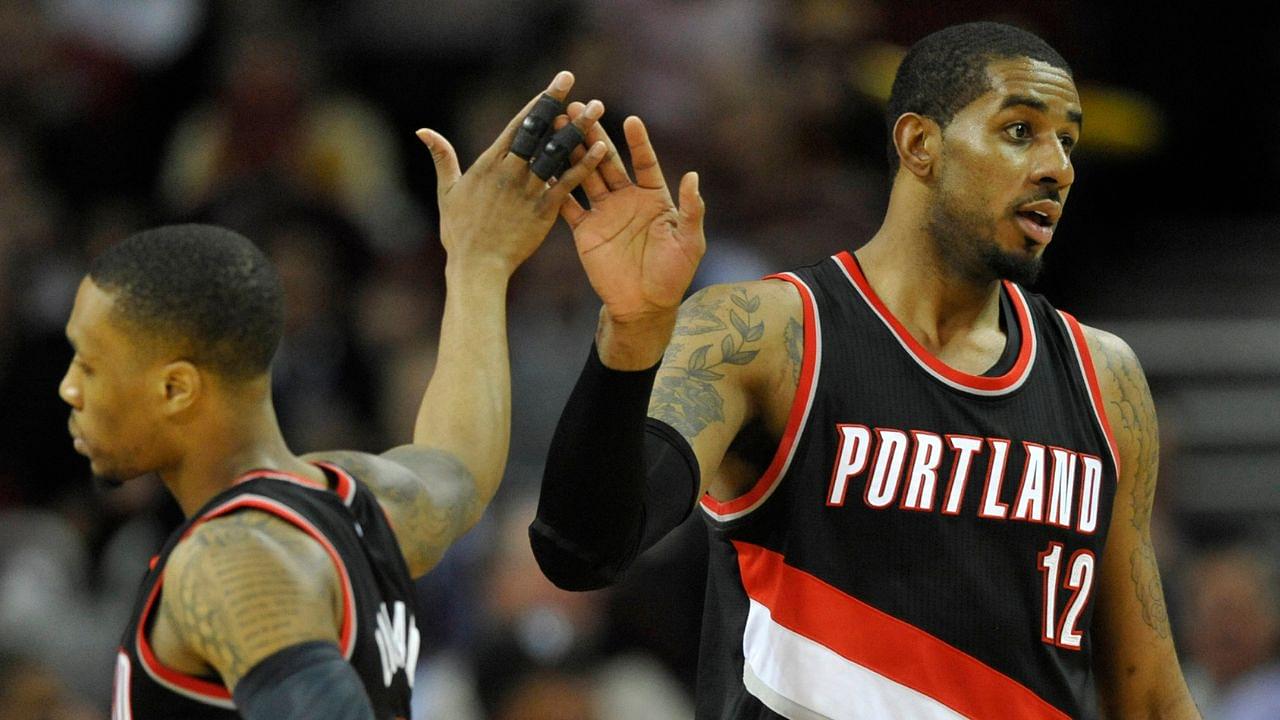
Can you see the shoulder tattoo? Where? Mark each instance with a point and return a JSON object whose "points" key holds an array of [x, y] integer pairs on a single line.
{"points": [[685, 396], [246, 585]]}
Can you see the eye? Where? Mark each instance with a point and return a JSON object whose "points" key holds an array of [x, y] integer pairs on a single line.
{"points": [[1019, 131], [1068, 143], [84, 367]]}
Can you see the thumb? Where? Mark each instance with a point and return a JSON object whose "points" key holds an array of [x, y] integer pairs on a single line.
{"points": [[444, 157], [692, 211]]}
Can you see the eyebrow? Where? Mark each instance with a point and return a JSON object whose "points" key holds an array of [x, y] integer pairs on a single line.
{"points": [[1074, 116]]}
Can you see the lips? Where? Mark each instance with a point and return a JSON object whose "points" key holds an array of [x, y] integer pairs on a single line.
{"points": [[76, 441], [1039, 219]]}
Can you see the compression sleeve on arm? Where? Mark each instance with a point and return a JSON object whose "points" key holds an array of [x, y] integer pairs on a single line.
{"points": [[615, 482], [308, 681]]}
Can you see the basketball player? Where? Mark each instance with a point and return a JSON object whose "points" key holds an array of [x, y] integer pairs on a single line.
{"points": [[287, 593], [928, 491]]}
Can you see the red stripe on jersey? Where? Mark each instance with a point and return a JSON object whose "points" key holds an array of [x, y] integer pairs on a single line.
{"points": [[1091, 378], [213, 692], [280, 475], [980, 383], [346, 487], [795, 420], [882, 643]]}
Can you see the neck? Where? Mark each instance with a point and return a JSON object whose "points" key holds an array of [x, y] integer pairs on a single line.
{"points": [[240, 434], [903, 266]]}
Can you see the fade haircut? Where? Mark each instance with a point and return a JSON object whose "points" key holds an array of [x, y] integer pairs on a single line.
{"points": [[205, 291], [947, 70]]}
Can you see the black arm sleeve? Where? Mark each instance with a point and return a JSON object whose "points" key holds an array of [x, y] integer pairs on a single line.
{"points": [[309, 681], [615, 482]]}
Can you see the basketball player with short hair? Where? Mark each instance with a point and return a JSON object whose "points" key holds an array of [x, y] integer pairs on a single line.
{"points": [[287, 594], [929, 492]]}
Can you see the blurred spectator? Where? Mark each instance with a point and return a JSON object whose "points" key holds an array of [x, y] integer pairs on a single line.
{"points": [[1233, 634], [537, 642], [275, 125], [31, 691]]}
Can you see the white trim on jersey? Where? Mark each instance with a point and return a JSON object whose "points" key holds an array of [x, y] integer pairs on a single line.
{"points": [[797, 677]]}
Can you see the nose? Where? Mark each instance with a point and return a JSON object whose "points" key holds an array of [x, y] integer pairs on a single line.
{"points": [[1053, 167], [69, 389]]}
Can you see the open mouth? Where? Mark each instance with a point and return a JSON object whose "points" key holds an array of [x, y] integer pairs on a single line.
{"points": [[1037, 217]]}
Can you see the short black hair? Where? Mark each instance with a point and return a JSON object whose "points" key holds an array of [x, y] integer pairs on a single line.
{"points": [[947, 70], [207, 289]]}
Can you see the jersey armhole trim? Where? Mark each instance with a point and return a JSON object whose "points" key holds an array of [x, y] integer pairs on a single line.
{"points": [[1090, 375], [216, 694], [801, 403]]}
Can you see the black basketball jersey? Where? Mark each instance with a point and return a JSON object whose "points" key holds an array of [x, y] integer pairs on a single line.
{"points": [[378, 635], [925, 543]]}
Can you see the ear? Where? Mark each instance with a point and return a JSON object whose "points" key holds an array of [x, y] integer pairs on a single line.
{"points": [[183, 385], [918, 140]]}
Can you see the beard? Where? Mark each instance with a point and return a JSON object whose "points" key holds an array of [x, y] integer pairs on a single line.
{"points": [[965, 241], [107, 482]]}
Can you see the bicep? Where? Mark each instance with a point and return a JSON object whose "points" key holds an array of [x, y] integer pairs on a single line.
{"points": [[729, 349], [428, 495], [243, 587]]}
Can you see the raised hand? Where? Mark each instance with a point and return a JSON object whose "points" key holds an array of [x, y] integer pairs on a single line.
{"points": [[639, 250], [499, 212]]}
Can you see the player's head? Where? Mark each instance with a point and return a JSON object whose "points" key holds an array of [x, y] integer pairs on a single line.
{"points": [[165, 321], [983, 116]]}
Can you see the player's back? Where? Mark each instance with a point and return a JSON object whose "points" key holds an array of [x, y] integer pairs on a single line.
{"points": [[925, 542], [377, 635]]}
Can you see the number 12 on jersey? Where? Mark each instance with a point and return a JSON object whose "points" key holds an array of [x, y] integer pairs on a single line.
{"points": [[1062, 630]]}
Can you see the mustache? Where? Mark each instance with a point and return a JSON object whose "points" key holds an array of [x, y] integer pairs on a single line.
{"points": [[1047, 194]]}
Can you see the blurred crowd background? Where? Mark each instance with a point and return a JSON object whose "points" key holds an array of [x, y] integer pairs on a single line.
{"points": [[292, 122]]}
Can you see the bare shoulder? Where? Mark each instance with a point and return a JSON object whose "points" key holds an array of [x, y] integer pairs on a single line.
{"points": [[1125, 395], [241, 587], [428, 494], [739, 320]]}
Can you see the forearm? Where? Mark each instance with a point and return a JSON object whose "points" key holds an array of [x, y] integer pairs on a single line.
{"points": [[614, 484], [466, 409]]}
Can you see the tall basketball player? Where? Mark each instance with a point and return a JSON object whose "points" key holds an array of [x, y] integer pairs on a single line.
{"points": [[287, 594], [928, 491]]}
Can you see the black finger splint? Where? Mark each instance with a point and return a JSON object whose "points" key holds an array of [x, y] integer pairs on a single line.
{"points": [[553, 158], [536, 127]]}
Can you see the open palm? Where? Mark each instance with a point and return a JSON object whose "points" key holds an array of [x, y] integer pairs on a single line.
{"points": [[639, 250]]}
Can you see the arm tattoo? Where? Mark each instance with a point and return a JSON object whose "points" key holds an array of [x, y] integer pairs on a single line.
{"points": [[1133, 418], [794, 337], [246, 585], [429, 495], [686, 397]]}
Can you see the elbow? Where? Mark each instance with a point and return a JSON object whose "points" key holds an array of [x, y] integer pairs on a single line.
{"points": [[567, 566]]}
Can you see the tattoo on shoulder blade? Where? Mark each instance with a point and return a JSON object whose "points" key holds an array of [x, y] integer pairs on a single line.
{"points": [[685, 397]]}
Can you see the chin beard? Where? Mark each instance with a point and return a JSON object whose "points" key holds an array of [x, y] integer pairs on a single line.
{"points": [[966, 245], [107, 482], [1022, 269]]}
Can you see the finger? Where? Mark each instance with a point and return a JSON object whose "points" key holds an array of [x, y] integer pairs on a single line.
{"points": [[554, 157], [594, 185], [558, 89], [535, 127], [611, 169], [692, 212], [572, 212], [444, 157], [558, 194], [643, 160]]}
